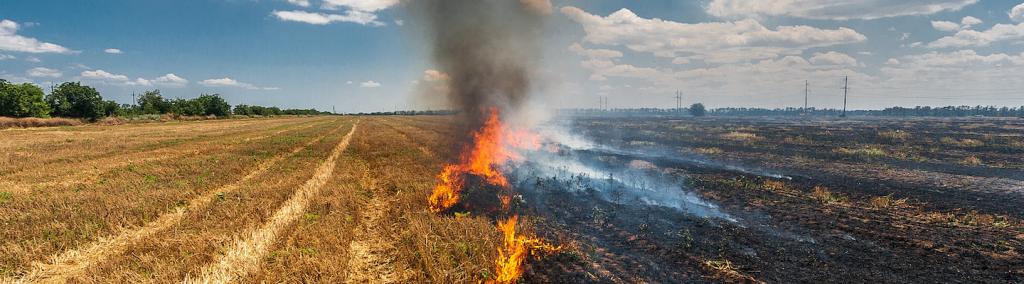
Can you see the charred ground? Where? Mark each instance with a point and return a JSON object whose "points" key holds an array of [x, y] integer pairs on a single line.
{"points": [[862, 200]]}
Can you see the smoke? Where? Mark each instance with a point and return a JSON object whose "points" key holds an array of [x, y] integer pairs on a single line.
{"points": [[487, 48]]}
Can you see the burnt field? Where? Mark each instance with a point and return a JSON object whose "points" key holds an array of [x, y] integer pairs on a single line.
{"points": [[780, 200]]}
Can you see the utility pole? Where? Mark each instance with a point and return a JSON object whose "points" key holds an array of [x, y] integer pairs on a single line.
{"points": [[679, 100], [846, 89], [333, 111], [807, 91]]}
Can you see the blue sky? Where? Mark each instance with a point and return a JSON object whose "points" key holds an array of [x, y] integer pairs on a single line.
{"points": [[368, 55]]}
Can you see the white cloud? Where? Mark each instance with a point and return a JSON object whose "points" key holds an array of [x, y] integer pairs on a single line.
{"points": [[359, 5], [112, 51], [832, 9], [350, 16], [399, 23], [965, 23], [44, 72], [1017, 13], [594, 53], [964, 38], [33, 59], [833, 58], [431, 75], [680, 60], [105, 76], [349, 83], [227, 82], [302, 3], [6, 56], [969, 22], [170, 80], [945, 26], [715, 42], [369, 84], [11, 41]]}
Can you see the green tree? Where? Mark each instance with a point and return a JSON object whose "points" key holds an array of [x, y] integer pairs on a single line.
{"points": [[243, 110], [22, 100], [213, 105], [698, 109], [72, 99], [112, 108], [151, 102]]}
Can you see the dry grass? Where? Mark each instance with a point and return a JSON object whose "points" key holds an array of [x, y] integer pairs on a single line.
{"points": [[971, 161], [740, 136], [965, 143], [894, 135], [11, 122], [708, 151], [367, 223], [773, 185], [823, 195], [862, 152], [885, 202]]}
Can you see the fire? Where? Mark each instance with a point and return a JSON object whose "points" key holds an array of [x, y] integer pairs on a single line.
{"points": [[513, 252], [494, 144]]}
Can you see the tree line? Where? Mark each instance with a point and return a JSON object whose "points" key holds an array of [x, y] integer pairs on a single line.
{"points": [[74, 100]]}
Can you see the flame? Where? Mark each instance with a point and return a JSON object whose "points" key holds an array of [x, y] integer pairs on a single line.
{"points": [[513, 252], [494, 144]]}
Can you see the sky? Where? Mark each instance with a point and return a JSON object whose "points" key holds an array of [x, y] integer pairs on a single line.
{"points": [[371, 55]]}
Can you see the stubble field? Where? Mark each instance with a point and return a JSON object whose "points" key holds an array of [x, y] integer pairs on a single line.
{"points": [[343, 199]]}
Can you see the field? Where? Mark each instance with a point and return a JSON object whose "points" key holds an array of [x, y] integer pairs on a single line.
{"points": [[343, 199]]}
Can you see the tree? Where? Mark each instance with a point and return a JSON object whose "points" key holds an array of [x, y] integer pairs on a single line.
{"points": [[698, 109], [151, 102], [22, 100], [72, 99], [112, 108], [213, 105]]}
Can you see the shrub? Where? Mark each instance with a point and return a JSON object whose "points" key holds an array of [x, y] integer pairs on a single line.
{"points": [[8, 122], [698, 109], [971, 161], [880, 202]]}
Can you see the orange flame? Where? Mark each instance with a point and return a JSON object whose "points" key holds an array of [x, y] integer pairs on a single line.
{"points": [[493, 145], [513, 252]]}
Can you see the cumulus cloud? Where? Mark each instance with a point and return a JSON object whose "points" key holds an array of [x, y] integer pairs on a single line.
{"points": [[945, 26], [431, 75], [302, 3], [350, 16], [832, 9], [833, 58], [227, 82], [359, 5], [170, 80], [965, 38], [112, 51], [101, 75], [594, 53], [44, 72], [11, 41], [969, 21], [965, 23], [717, 42], [1017, 13], [369, 84]]}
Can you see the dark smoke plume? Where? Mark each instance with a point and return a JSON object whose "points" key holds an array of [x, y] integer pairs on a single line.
{"points": [[487, 48]]}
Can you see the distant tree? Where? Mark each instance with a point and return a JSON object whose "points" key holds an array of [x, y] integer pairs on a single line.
{"points": [[112, 108], [698, 109], [72, 99], [243, 110], [22, 100], [151, 102], [213, 105]]}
